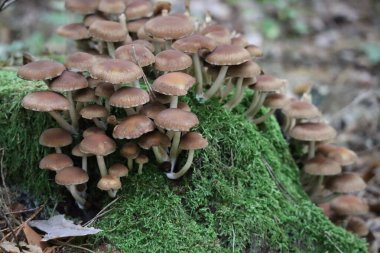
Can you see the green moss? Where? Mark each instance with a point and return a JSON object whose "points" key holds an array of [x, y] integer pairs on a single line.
{"points": [[242, 194]]}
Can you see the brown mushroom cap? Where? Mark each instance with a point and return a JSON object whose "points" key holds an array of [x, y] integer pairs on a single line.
{"points": [[160, 6], [45, 101], [169, 27], [55, 162], [89, 19], [228, 55], [322, 166], [68, 81], [239, 41], [248, 69], [174, 83], [128, 97], [313, 132], [135, 25], [193, 140], [76, 152], [214, 28], [104, 90], [108, 31], [55, 138], [76, 31], [71, 176], [84, 95], [142, 159], [79, 61], [118, 170], [116, 71], [176, 120], [92, 130], [268, 83], [154, 138], [349, 205], [144, 43], [40, 70], [183, 106], [346, 183], [98, 144], [219, 37], [138, 9], [152, 109], [254, 51], [130, 150], [135, 53], [357, 226], [109, 182], [276, 101], [93, 111], [112, 6], [193, 43], [133, 127], [301, 110], [82, 6], [342, 155], [172, 60]]}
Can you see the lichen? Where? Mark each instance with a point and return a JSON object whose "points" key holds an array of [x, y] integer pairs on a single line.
{"points": [[242, 194]]}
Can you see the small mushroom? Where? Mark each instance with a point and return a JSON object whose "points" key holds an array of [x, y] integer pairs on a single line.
{"points": [[55, 138], [141, 160], [109, 183], [55, 162], [130, 151]]}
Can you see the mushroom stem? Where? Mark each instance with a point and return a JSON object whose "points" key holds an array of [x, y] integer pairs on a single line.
{"points": [[84, 163], [112, 193], [264, 117], [107, 105], [130, 111], [136, 83], [198, 75], [140, 169], [63, 123], [184, 168], [76, 195], [235, 100], [168, 44], [226, 90], [217, 83], [130, 163], [316, 186], [58, 150], [254, 101], [174, 102], [157, 154], [175, 144], [99, 123], [327, 198], [73, 112], [260, 102], [311, 151], [287, 124], [111, 49], [101, 165]]}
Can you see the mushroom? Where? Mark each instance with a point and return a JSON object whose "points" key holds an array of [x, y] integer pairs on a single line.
{"points": [[133, 127], [190, 141], [112, 8], [138, 9], [70, 177], [342, 155], [357, 226], [75, 31], [109, 183], [274, 102], [55, 138], [40, 70], [130, 151], [79, 61], [172, 60], [157, 141], [94, 112], [82, 6], [105, 90], [92, 130], [299, 110], [349, 205], [141, 160], [76, 152], [118, 170], [55, 162], [137, 54]]}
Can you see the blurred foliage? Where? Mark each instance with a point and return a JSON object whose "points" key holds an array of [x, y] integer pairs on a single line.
{"points": [[372, 52]]}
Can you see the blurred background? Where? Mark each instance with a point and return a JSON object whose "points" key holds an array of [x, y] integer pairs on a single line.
{"points": [[330, 47]]}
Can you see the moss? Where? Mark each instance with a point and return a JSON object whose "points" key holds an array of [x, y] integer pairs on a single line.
{"points": [[242, 195]]}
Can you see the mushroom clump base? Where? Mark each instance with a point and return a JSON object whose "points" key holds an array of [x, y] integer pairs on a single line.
{"points": [[243, 193]]}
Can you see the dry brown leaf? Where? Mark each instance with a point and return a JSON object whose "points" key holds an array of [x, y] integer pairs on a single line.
{"points": [[11, 247], [33, 237]]}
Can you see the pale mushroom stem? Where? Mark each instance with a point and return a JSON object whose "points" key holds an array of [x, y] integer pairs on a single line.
{"points": [[63, 123], [198, 75], [311, 151], [101, 165], [58, 150], [174, 102], [235, 100], [316, 187], [112, 193], [184, 168], [264, 117], [326, 199], [99, 123], [288, 123], [217, 83], [76, 195], [130, 163], [175, 144], [73, 112], [157, 154], [168, 44], [254, 101], [140, 168], [107, 105], [111, 49], [263, 95], [84, 163], [130, 111], [226, 90]]}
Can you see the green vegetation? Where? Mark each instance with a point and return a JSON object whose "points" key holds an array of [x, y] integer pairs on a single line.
{"points": [[243, 194]]}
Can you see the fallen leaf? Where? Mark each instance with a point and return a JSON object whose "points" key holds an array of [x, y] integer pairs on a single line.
{"points": [[11, 247], [58, 227], [33, 237]]}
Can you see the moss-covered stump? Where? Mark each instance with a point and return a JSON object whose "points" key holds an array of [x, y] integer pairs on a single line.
{"points": [[242, 195]]}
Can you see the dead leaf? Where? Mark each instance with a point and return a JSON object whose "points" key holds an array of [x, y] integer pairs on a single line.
{"points": [[10, 247], [33, 237], [58, 227]]}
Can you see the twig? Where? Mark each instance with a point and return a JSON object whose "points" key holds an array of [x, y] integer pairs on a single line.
{"points": [[59, 243], [5, 4], [3, 176], [100, 213], [10, 228], [337, 248], [146, 81], [22, 211]]}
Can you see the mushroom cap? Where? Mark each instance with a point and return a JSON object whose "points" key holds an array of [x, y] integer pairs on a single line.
{"points": [[322, 166], [55, 138], [220, 37], [135, 25], [84, 95], [128, 97], [268, 83], [214, 28], [142, 159], [135, 53], [176, 120], [162, 98], [154, 138], [89, 19], [174, 83], [118, 170], [192, 141], [169, 27], [45, 101], [239, 41], [346, 183], [130, 150], [68, 81], [79, 61], [342, 155], [349, 205], [193, 43], [145, 43], [116, 71], [75, 31], [138, 9], [183, 106], [109, 182], [357, 226], [98, 144], [313, 132], [276, 101], [92, 130], [112, 6], [133, 127], [82, 6], [159, 6], [76, 152], [40, 70], [55, 162], [93, 111], [71, 176], [248, 69], [172, 60], [108, 31], [301, 110], [152, 109], [228, 55], [104, 90], [254, 51]]}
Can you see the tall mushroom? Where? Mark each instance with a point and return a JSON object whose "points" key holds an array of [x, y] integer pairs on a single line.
{"points": [[55, 138]]}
